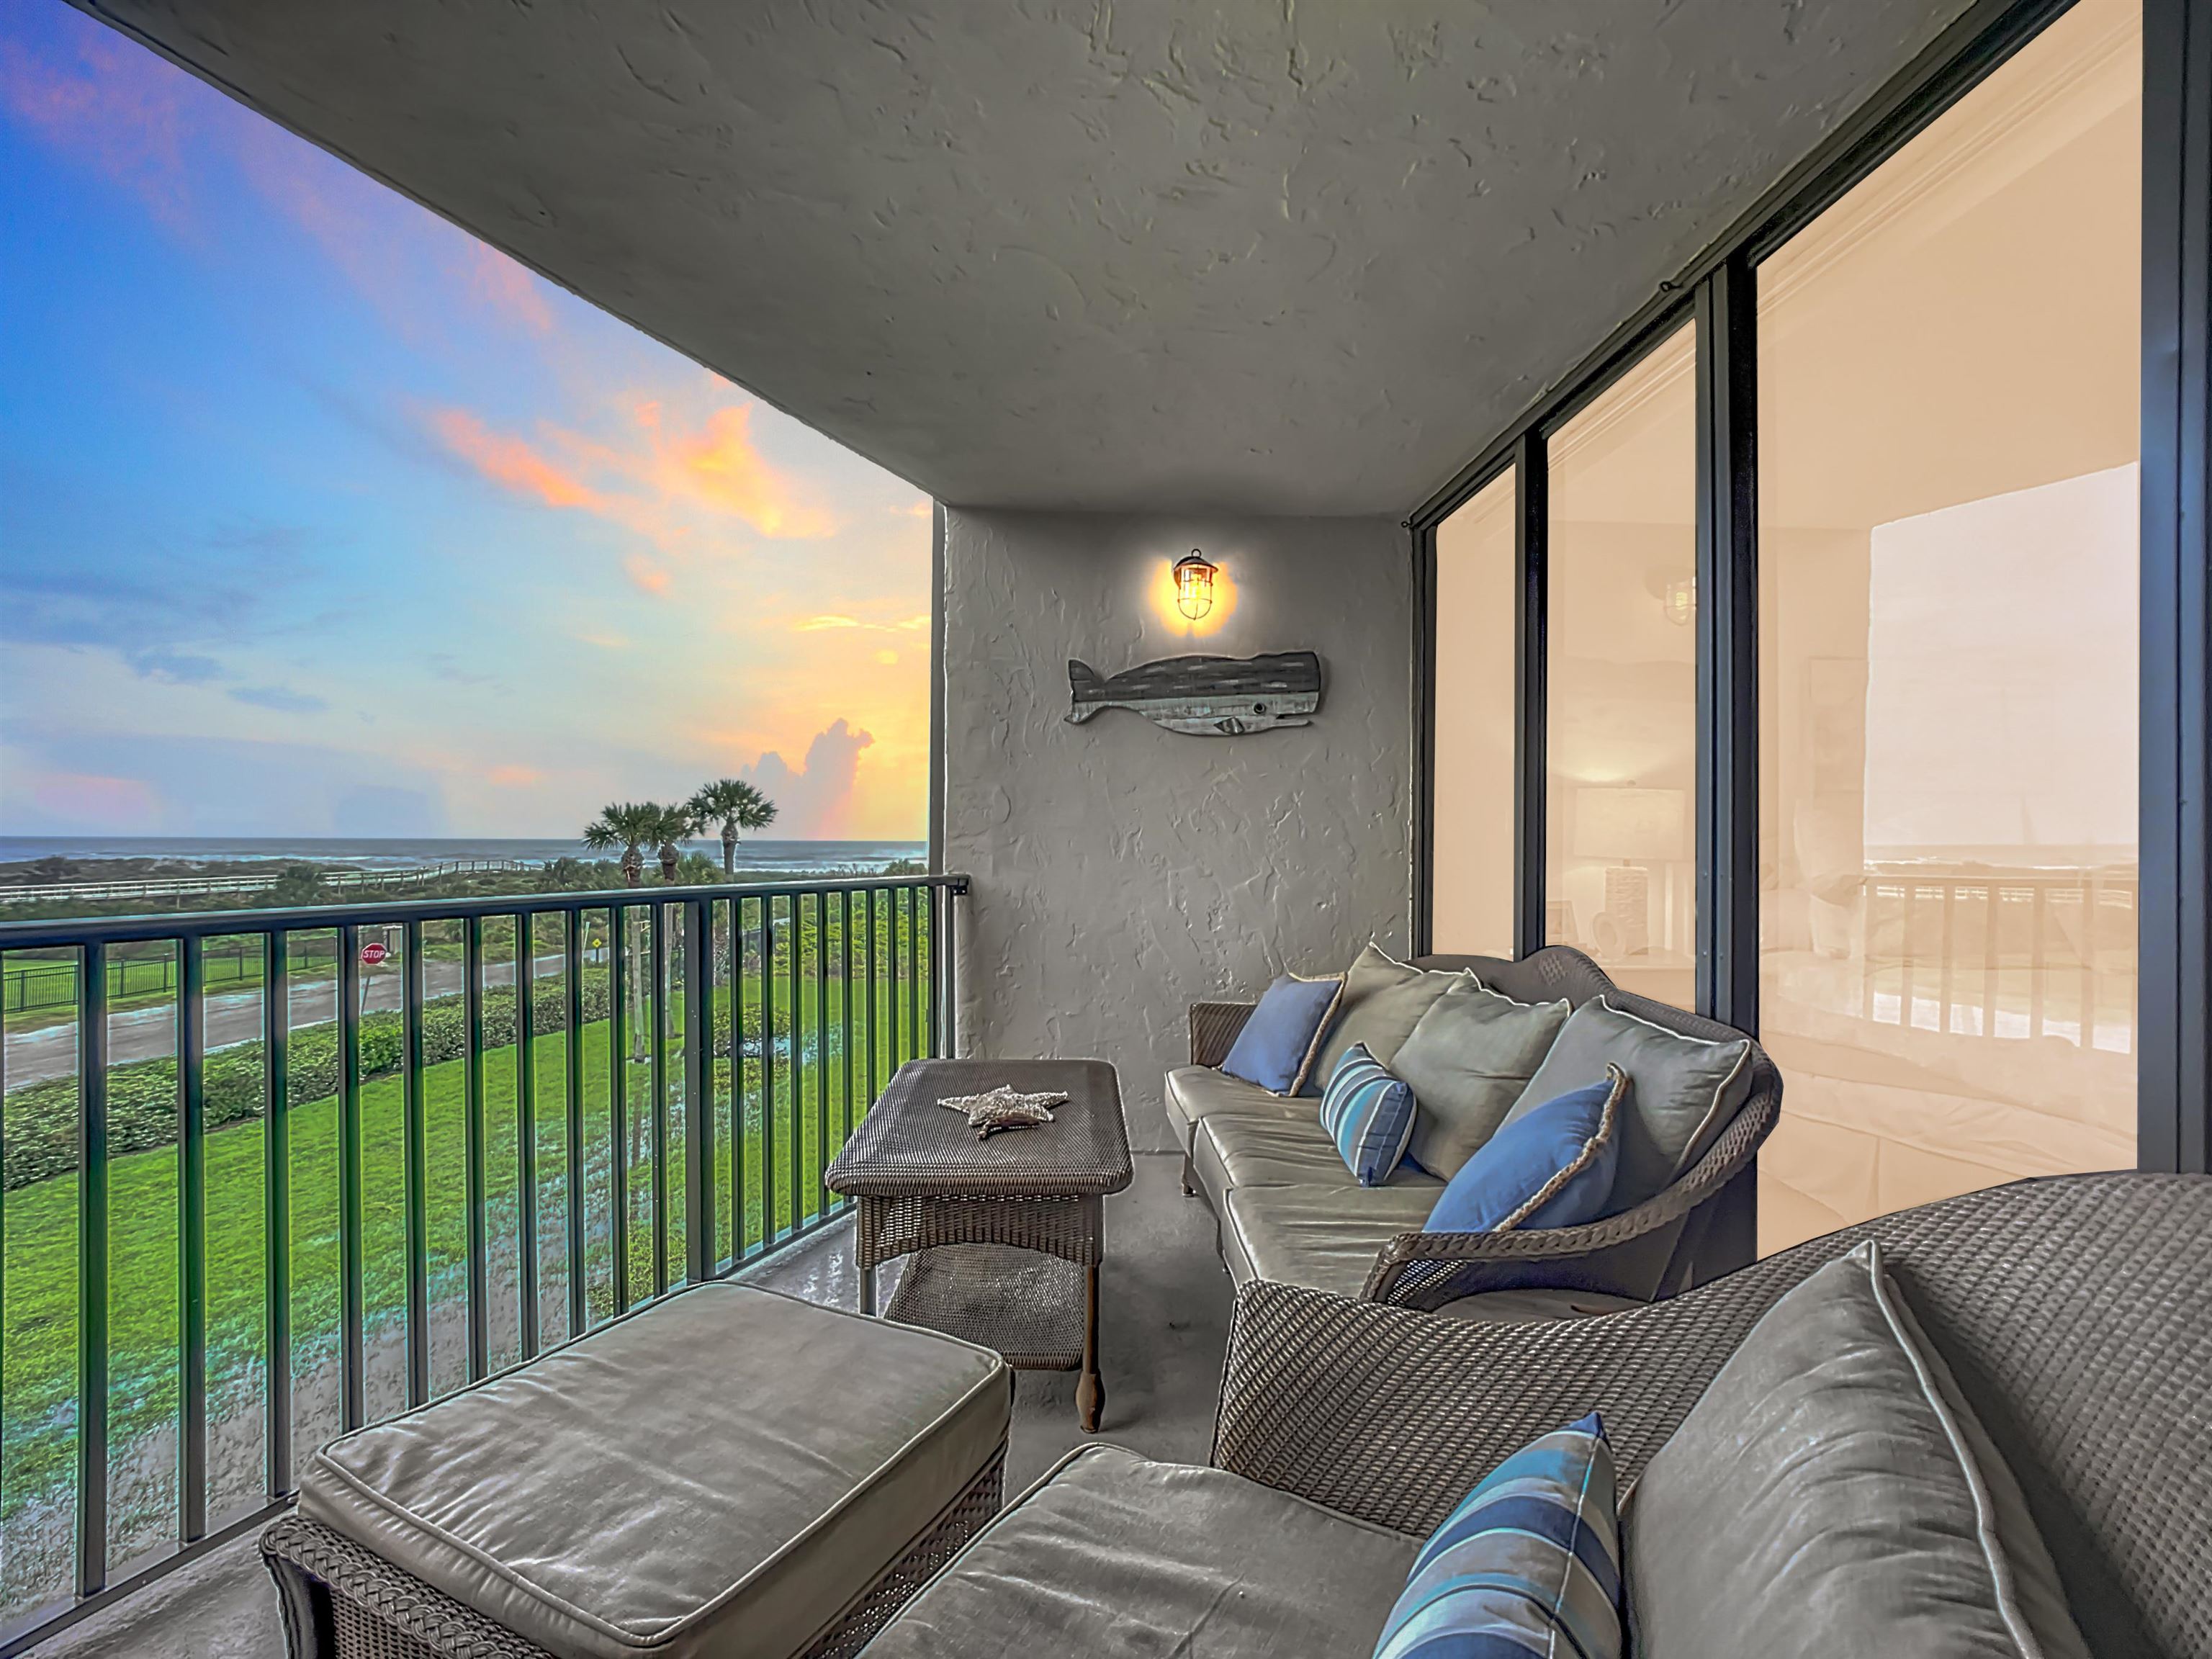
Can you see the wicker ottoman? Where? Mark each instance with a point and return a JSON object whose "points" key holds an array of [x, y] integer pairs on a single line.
{"points": [[728, 1473]]}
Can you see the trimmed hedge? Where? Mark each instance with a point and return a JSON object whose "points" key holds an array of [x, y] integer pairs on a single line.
{"points": [[41, 1120]]}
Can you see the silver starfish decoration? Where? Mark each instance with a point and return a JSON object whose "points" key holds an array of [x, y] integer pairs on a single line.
{"points": [[1005, 1107]]}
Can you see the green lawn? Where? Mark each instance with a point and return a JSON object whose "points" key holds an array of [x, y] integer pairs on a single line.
{"points": [[38, 1371]]}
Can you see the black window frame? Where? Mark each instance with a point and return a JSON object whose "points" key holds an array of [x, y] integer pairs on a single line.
{"points": [[1718, 290]]}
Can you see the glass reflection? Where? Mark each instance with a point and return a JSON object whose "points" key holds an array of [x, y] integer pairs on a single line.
{"points": [[1621, 751], [1947, 533], [1472, 855]]}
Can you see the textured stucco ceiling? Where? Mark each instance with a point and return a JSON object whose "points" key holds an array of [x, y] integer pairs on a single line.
{"points": [[1292, 258]]}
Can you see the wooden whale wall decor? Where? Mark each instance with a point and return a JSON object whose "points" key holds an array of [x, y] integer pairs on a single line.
{"points": [[1206, 696]]}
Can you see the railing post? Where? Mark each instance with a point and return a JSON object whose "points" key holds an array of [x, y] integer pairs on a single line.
{"points": [[797, 1153], [472, 1153], [572, 1152], [191, 1244], [821, 1153], [954, 894], [700, 1254], [415, 1166], [657, 1125], [619, 1103], [92, 1276], [276, 1201], [917, 1041], [869, 1094], [526, 1131], [936, 907], [740, 1223], [845, 997], [352, 1314], [768, 1070]]}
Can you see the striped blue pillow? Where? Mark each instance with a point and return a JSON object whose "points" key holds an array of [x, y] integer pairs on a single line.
{"points": [[1529, 1563], [1368, 1114]]}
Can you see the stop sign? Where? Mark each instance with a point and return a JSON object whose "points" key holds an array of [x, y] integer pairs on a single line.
{"points": [[372, 953]]}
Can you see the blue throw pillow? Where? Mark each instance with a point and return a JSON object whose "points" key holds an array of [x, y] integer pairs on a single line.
{"points": [[1553, 1168], [1277, 1043], [1368, 1114], [1529, 1563]]}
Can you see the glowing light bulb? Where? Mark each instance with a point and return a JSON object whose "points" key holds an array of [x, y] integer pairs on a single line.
{"points": [[1194, 580]]}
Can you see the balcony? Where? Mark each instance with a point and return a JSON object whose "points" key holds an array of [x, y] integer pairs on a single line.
{"points": [[1730, 482]]}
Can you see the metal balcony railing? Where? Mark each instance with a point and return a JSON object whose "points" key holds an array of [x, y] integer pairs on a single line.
{"points": [[240, 1221]]}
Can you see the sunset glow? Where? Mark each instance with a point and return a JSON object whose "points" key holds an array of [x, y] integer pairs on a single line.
{"points": [[319, 517]]}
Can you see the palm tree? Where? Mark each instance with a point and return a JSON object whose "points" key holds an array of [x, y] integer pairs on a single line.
{"points": [[628, 825], [671, 824], [735, 804]]}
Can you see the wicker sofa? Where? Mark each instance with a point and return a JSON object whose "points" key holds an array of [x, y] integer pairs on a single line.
{"points": [[2072, 1310], [1290, 1211]]}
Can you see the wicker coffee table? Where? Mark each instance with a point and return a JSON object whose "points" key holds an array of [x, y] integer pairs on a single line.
{"points": [[1006, 1234]]}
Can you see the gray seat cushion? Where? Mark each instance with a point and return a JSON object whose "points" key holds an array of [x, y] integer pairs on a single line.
{"points": [[1683, 1091], [1831, 1493], [1318, 1237], [1252, 1151], [1196, 1093], [1113, 1553], [720, 1473], [1467, 1063]]}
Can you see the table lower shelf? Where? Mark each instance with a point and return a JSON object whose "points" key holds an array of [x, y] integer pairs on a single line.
{"points": [[1026, 1305]]}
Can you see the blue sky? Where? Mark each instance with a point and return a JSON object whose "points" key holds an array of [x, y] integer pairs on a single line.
{"points": [[318, 516]]}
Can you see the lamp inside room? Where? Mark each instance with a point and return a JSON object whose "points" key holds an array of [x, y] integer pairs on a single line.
{"points": [[1636, 827]]}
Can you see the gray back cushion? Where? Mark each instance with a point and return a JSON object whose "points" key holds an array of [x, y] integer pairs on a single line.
{"points": [[1467, 1063], [1556, 973], [1682, 1091], [1383, 1000], [1831, 1493]]}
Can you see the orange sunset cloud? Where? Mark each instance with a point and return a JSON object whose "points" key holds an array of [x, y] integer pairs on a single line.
{"points": [[659, 489], [510, 462], [721, 469]]}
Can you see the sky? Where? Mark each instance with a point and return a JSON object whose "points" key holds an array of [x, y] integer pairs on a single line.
{"points": [[318, 517]]}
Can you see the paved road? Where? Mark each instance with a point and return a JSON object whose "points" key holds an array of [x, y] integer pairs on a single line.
{"points": [[234, 1017]]}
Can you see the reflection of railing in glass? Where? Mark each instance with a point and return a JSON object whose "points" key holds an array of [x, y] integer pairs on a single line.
{"points": [[1953, 1025], [2003, 954]]}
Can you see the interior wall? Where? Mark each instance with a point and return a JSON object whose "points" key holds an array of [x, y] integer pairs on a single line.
{"points": [[1122, 872]]}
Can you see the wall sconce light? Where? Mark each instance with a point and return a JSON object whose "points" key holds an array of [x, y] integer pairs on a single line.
{"points": [[1679, 601], [1194, 581]]}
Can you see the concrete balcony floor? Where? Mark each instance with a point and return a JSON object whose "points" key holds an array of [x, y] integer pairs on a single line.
{"points": [[1163, 1324]]}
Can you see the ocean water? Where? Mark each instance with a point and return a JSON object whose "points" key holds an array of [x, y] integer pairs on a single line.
{"points": [[373, 853]]}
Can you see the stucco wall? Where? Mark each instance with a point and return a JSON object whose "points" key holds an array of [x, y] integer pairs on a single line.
{"points": [[1121, 871]]}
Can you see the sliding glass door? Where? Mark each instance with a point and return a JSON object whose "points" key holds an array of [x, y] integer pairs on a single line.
{"points": [[1471, 714], [1909, 459], [1622, 725], [1948, 649]]}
